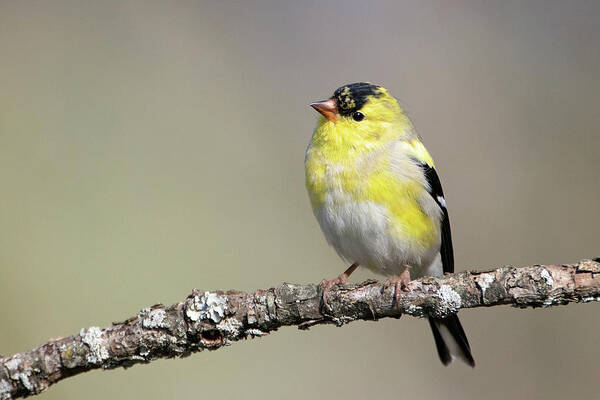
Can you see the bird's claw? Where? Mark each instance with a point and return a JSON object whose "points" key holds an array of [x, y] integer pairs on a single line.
{"points": [[339, 280], [400, 285], [328, 284]]}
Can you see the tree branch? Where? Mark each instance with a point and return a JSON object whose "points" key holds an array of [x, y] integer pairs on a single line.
{"points": [[210, 320]]}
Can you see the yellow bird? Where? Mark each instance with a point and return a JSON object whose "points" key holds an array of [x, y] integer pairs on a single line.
{"points": [[378, 199]]}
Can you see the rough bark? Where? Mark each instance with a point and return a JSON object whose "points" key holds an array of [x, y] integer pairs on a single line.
{"points": [[210, 320]]}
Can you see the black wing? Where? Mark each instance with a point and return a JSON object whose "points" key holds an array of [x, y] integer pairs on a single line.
{"points": [[435, 190], [451, 323]]}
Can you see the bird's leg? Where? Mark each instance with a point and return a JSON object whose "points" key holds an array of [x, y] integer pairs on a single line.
{"points": [[400, 284], [340, 280]]}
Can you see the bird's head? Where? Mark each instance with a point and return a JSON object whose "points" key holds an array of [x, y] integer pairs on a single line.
{"points": [[361, 115]]}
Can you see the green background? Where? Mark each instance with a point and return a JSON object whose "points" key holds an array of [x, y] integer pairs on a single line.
{"points": [[147, 148]]}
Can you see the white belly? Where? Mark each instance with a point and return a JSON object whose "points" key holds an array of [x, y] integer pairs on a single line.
{"points": [[360, 233]]}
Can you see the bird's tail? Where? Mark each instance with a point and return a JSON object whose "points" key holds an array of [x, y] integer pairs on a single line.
{"points": [[450, 340]]}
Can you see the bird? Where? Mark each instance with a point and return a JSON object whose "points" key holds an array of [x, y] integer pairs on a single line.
{"points": [[378, 199]]}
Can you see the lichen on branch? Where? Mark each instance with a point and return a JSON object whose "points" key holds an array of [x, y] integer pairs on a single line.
{"points": [[208, 320]]}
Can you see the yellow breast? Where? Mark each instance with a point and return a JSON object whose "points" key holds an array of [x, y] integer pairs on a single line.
{"points": [[359, 178]]}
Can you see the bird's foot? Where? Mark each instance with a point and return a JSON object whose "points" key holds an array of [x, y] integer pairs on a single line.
{"points": [[340, 280], [400, 284]]}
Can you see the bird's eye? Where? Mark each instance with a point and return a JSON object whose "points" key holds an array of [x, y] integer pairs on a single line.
{"points": [[358, 116]]}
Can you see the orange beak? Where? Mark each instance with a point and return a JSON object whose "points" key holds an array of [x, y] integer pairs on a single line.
{"points": [[328, 108]]}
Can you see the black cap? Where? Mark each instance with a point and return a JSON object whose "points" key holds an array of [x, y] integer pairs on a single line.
{"points": [[351, 98]]}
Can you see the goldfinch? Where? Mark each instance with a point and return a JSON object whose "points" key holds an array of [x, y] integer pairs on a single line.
{"points": [[375, 192]]}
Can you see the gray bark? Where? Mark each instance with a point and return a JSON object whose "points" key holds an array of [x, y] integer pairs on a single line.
{"points": [[210, 320]]}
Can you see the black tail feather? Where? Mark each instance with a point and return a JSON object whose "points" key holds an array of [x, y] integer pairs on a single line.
{"points": [[452, 344]]}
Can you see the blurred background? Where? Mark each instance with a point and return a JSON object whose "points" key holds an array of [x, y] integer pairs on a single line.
{"points": [[147, 148]]}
